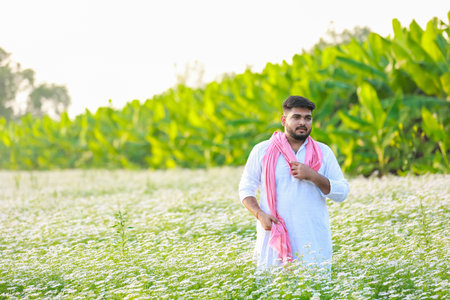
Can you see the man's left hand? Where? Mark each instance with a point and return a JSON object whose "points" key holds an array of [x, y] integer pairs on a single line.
{"points": [[301, 171]]}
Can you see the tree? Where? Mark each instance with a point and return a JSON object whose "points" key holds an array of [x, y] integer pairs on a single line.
{"points": [[12, 81], [334, 38], [43, 99], [191, 75], [48, 99]]}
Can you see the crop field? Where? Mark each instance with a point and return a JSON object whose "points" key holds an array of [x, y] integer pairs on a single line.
{"points": [[183, 234]]}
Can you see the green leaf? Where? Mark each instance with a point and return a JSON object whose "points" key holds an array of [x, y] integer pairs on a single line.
{"points": [[336, 84], [418, 52], [429, 41], [445, 81], [368, 98], [425, 80], [328, 56], [361, 68], [398, 30], [327, 106], [6, 140], [417, 101], [353, 122], [378, 45], [432, 127], [244, 121], [415, 31], [401, 53]]}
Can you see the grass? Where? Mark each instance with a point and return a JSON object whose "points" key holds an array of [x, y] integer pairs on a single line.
{"points": [[184, 234]]}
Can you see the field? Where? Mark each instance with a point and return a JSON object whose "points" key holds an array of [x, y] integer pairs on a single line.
{"points": [[183, 234]]}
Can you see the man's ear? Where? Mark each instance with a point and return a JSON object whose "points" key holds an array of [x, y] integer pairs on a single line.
{"points": [[283, 120]]}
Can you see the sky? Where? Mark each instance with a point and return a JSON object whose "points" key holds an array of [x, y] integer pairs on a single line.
{"points": [[125, 50]]}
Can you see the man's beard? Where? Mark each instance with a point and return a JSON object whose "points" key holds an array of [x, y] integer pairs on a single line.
{"points": [[298, 137]]}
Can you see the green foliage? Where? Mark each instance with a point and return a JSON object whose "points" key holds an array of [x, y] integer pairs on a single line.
{"points": [[122, 230], [383, 107]]}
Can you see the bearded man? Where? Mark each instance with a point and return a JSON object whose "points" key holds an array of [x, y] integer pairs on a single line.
{"points": [[295, 175]]}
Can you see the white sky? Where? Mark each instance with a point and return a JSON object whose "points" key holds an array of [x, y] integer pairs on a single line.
{"points": [[125, 50]]}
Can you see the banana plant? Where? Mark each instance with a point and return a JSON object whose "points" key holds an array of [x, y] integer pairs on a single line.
{"points": [[374, 100], [436, 132], [375, 126]]}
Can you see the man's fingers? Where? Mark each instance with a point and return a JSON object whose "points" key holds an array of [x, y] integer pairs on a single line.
{"points": [[268, 225], [274, 219]]}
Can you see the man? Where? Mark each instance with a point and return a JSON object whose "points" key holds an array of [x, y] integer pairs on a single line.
{"points": [[295, 175]]}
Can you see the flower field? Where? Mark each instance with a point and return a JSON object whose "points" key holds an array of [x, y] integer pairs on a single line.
{"points": [[178, 233]]}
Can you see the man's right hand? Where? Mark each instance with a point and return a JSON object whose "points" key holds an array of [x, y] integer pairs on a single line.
{"points": [[266, 220]]}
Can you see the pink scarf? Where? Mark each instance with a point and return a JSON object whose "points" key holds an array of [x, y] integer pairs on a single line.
{"points": [[279, 238]]}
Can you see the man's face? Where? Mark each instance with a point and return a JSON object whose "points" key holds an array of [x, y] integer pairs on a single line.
{"points": [[297, 123]]}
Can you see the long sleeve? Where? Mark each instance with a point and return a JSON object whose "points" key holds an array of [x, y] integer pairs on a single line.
{"points": [[339, 187], [251, 176]]}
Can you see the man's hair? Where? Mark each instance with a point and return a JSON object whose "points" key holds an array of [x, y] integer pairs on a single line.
{"points": [[297, 101]]}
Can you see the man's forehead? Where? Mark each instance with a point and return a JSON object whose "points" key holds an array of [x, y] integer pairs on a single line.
{"points": [[300, 111]]}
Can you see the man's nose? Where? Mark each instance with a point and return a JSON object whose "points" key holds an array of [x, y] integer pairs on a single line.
{"points": [[301, 121]]}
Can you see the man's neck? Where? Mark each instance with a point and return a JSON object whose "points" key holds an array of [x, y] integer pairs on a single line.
{"points": [[295, 144]]}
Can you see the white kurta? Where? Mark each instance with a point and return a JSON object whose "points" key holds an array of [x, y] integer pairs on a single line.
{"points": [[300, 203]]}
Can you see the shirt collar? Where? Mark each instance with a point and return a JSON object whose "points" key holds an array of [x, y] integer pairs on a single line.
{"points": [[302, 146]]}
